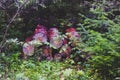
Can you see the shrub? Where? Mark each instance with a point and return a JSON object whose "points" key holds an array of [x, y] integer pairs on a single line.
{"points": [[102, 40]]}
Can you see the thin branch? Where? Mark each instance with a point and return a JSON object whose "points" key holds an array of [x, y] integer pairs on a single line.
{"points": [[7, 27], [1, 6]]}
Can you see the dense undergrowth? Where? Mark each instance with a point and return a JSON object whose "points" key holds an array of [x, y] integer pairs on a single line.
{"points": [[95, 55], [13, 68]]}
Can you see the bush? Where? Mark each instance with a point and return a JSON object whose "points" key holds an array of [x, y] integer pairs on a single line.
{"points": [[97, 22], [102, 40]]}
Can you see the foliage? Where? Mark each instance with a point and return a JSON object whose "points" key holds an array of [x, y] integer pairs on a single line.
{"points": [[98, 51], [103, 40], [44, 70], [53, 44]]}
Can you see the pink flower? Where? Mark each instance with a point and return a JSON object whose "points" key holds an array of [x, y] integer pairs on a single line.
{"points": [[71, 30], [54, 38], [46, 51], [40, 33], [56, 42], [72, 33], [40, 37], [28, 49], [53, 32], [40, 29]]}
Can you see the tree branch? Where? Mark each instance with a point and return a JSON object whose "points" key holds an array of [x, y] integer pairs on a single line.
{"points": [[2, 44]]}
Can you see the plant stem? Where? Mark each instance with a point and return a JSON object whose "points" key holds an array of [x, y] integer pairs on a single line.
{"points": [[2, 44]]}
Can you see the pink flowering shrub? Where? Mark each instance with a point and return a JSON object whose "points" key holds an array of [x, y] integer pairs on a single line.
{"points": [[40, 34], [72, 34], [51, 41], [28, 49], [55, 38]]}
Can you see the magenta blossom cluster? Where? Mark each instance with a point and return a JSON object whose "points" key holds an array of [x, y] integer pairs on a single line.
{"points": [[72, 34], [54, 40], [40, 34]]}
